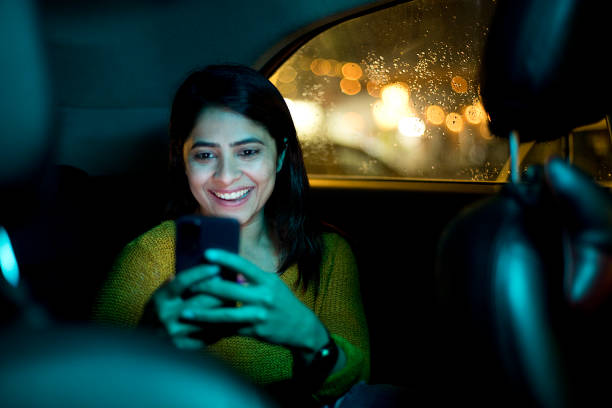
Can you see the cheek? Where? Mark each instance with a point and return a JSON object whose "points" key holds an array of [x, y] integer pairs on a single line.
{"points": [[197, 175], [264, 174]]}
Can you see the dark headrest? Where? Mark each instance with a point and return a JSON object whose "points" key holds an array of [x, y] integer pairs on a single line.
{"points": [[544, 70]]}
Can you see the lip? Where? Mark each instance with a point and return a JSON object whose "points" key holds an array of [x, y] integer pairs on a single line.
{"points": [[229, 202]]}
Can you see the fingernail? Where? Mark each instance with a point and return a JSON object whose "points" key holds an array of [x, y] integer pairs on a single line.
{"points": [[211, 254]]}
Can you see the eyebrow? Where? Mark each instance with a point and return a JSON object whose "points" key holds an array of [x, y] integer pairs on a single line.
{"points": [[201, 143]]}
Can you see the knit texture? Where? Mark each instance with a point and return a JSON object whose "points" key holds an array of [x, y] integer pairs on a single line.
{"points": [[149, 261]]}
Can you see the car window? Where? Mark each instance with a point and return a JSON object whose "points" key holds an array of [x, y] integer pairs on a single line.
{"points": [[394, 94]]}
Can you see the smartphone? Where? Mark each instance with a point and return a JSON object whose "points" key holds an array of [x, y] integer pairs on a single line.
{"points": [[197, 233]]}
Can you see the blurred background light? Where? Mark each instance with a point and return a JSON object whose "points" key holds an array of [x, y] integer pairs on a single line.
{"points": [[350, 86], [287, 74], [351, 70], [454, 123], [387, 115], [474, 114], [435, 115], [336, 68], [395, 95], [320, 66], [459, 84], [373, 88], [411, 127], [308, 117]]}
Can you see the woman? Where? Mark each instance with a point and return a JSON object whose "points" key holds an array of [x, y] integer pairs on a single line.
{"points": [[234, 153]]}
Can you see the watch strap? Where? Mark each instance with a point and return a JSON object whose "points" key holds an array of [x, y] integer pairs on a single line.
{"points": [[314, 373]]}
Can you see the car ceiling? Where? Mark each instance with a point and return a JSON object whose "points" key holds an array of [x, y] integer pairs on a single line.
{"points": [[135, 53], [115, 65]]}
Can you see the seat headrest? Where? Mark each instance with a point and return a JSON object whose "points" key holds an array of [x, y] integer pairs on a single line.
{"points": [[543, 69]]}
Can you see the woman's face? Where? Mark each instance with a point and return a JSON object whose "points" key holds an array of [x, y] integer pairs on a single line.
{"points": [[230, 163]]}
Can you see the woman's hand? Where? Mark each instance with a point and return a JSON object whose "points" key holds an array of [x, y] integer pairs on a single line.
{"points": [[269, 310], [176, 296]]}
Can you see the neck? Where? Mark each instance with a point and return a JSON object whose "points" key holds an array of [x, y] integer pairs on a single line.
{"points": [[257, 244], [253, 233]]}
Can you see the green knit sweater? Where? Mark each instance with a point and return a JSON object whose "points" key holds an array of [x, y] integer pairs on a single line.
{"points": [[149, 261]]}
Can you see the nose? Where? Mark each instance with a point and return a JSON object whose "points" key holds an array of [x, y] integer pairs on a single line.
{"points": [[227, 171]]}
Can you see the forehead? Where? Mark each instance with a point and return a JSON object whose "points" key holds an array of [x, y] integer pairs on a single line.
{"points": [[222, 125]]}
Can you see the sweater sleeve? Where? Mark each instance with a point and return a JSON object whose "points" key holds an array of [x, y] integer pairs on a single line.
{"points": [[340, 308], [141, 267]]}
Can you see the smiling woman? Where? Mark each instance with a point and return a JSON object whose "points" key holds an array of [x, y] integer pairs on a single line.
{"points": [[300, 328], [230, 163]]}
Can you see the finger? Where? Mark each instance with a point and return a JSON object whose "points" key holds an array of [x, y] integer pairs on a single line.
{"points": [[202, 301], [237, 263], [193, 290], [188, 277], [176, 328], [169, 310], [229, 290], [245, 314], [579, 194]]}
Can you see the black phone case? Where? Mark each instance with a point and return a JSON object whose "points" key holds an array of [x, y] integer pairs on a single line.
{"points": [[196, 233]]}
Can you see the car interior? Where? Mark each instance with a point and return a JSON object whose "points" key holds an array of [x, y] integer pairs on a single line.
{"points": [[387, 101]]}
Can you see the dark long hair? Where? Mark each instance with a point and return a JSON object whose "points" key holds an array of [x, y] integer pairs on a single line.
{"points": [[247, 92]]}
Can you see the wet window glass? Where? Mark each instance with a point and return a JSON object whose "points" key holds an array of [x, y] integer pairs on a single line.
{"points": [[395, 95], [590, 148]]}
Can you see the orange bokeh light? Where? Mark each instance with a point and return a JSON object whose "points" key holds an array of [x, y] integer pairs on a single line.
{"points": [[287, 74], [351, 70], [435, 115], [350, 86], [454, 123], [474, 114], [320, 66], [459, 84]]}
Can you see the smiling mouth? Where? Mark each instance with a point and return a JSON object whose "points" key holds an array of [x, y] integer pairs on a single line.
{"points": [[233, 196]]}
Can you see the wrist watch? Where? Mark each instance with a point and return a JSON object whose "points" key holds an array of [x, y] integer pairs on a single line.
{"points": [[314, 373]]}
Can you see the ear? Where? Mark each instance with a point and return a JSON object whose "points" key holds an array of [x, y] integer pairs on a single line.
{"points": [[281, 159]]}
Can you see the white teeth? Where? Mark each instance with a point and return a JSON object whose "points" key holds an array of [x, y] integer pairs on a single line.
{"points": [[232, 196]]}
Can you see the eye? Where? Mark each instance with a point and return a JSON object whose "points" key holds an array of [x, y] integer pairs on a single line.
{"points": [[248, 153], [203, 156]]}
